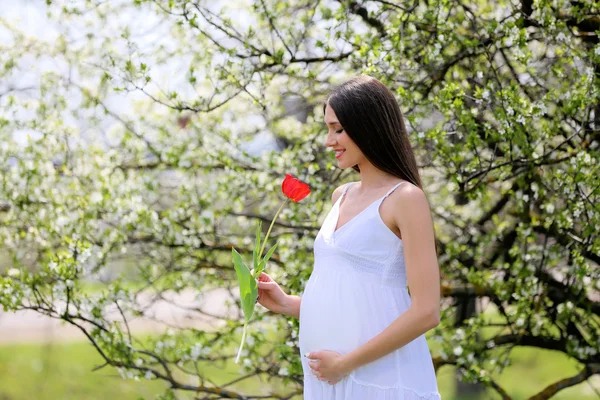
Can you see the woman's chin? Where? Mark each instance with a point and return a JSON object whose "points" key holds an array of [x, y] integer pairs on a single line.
{"points": [[344, 165]]}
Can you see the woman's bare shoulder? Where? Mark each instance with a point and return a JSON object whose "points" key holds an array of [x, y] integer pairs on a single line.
{"points": [[410, 205], [337, 193]]}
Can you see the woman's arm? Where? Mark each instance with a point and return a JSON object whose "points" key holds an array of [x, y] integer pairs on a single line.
{"points": [[272, 297], [415, 223], [292, 306]]}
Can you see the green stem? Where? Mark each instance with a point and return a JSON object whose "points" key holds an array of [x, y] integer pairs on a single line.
{"points": [[237, 359], [269, 231]]}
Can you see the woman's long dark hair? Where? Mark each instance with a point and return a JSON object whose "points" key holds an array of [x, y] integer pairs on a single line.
{"points": [[370, 115]]}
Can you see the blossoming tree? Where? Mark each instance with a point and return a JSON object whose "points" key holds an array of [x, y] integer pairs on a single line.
{"points": [[139, 114]]}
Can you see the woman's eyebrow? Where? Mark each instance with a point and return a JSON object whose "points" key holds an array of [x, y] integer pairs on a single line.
{"points": [[332, 123]]}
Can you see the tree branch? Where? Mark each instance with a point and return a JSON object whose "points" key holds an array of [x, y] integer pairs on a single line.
{"points": [[556, 387], [500, 390], [362, 12]]}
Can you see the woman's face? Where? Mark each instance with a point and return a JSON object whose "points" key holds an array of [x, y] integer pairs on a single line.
{"points": [[346, 151]]}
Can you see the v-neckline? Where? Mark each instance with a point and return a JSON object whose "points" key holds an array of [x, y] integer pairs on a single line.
{"points": [[335, 231], [339, 203]]}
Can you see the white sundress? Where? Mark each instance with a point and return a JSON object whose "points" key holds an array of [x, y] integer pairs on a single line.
{"points": [[356, 290]]}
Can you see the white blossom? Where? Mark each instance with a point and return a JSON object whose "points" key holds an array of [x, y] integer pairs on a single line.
{"points": [[14, 272], [458, 350], [53, 266], [96, 197]]}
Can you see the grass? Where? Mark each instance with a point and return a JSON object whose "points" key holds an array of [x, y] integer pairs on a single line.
{"points": [[64, 371], [57, 371], [531, 371]]}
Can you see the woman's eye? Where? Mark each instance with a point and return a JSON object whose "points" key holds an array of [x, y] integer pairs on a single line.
{"points": [[340, 131]]}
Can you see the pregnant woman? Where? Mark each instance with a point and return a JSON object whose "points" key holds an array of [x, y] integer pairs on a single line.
{"points": [[361, 333]]}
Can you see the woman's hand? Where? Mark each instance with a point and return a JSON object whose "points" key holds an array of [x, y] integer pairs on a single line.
{"points": [[271, 296], [328, 366]]}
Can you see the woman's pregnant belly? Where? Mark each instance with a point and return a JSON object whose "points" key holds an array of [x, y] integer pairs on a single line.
{"points": [[326, 319], [339, 311]]}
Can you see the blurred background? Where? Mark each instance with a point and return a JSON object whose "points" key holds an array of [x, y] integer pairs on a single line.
{"points": [[141, 139]]}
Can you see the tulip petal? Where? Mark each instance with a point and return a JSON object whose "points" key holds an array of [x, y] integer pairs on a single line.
{"points": [[294, 189]]}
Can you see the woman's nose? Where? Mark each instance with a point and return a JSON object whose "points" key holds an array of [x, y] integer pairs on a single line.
{"points": [[329, 140]]}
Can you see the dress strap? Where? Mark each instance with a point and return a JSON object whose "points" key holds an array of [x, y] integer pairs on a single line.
{"points": [[392, 189], [346, 189]]}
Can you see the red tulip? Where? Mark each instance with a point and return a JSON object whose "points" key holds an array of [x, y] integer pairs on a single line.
{"points": [[294, 189]]}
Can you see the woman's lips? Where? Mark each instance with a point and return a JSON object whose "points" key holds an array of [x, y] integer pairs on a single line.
{"points": [[338, 154]]}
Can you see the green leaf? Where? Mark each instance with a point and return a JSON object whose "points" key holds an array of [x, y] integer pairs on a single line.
{"points": [[248, 305], [255, 255], [248, 286], [266, 258]]}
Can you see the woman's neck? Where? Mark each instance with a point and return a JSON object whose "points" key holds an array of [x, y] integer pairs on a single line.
{"points": [[372, 178]]}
